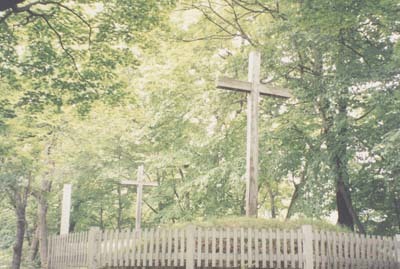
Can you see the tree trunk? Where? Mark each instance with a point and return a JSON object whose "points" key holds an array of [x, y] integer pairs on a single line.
{"points": [[34, 248], [19, 238], [337, 146], [293, 200], [101, 218], [296, 193], [344, 215], [271, 195], [273, 204], [20, 199], [42, 223]]}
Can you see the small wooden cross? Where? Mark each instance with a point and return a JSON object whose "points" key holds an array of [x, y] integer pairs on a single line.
{"points": [[139, 183], [255, 88]]}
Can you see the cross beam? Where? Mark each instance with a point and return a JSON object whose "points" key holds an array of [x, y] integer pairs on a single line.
{"points": [[134, 183], [255, 89], [244, 86], [139, 195]]}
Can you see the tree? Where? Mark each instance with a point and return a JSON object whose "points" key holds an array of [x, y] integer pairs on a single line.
{"points": [[56, 54], [16, 178], [331, 55]]}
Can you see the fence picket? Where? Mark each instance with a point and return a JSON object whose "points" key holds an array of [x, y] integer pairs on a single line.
{"points": [[369, 251], [221, 246], [169, 256], [318, 248], [359, 250], [120, 242], [256, 248], [278, 248], [381, 251], [81, 253], [117, 242], [206, 247], [325, 247], [157, 245], [235, 247], [270, 249], [249, 247], [373, 252], [175, 247], [242, 251], [199, 246], [149, 242], [182, 247], [264, 256], [285, 249], [163, 253], [213, 248], [228, 252], [76, 249]]}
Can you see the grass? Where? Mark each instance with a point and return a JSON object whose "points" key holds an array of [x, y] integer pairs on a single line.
{"points": [[259, 223]]}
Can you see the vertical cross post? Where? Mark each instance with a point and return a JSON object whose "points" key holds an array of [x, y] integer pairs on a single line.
{"points": [[139, 196], [254, 89], [252, 134], [66, 209]]}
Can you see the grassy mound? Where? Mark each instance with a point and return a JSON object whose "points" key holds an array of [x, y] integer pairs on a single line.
{"points": [[259, 223]]}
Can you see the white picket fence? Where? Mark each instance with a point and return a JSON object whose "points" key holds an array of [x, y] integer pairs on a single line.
{"points": [[197, 247]]}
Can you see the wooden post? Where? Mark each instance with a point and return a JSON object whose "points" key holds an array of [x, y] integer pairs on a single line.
{"points": [[94, 241], [308, 253], [65, 209], [139, 195], [190, 246], [397, 246], [252, 134]]}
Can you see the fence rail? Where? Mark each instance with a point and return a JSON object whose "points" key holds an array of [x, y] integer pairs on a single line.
{"points": [[199, 247]]}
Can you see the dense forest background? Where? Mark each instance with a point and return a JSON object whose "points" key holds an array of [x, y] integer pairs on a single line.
{"points": [[91, 89]]}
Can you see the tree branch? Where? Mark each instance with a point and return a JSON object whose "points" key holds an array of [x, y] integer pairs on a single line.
{"points": [[239, 26], [60, 40], [27, 8]]}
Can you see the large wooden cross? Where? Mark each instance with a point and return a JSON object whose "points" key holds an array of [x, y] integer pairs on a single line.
{"points": [[139, 193], [254, 87]]}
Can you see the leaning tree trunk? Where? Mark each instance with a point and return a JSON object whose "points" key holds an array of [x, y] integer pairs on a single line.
{"points": [[297, 192], [34, 248]]}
